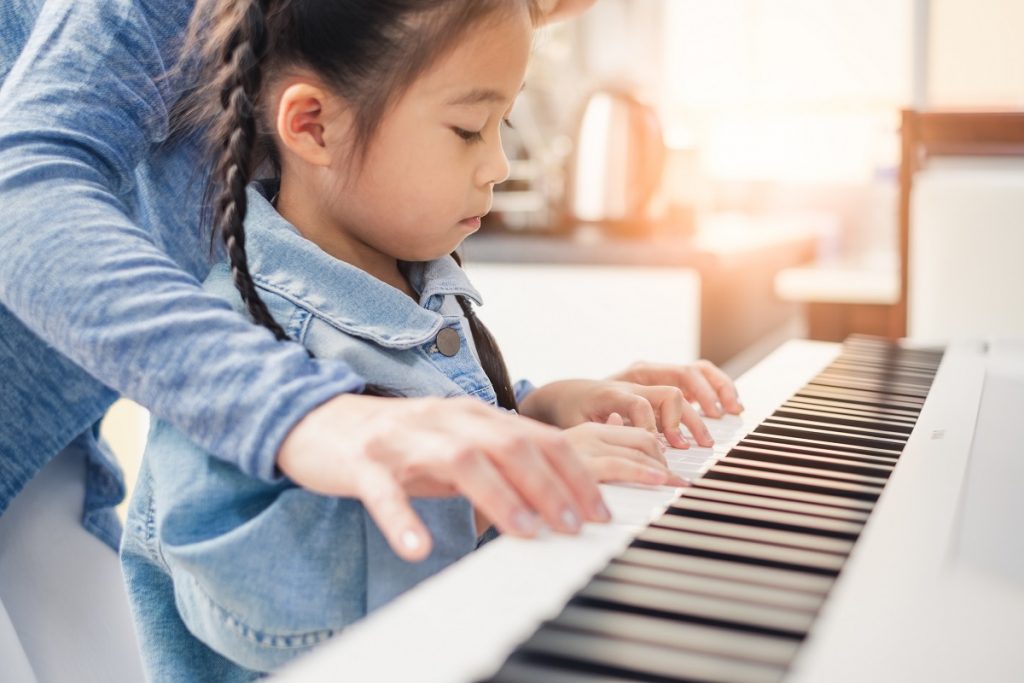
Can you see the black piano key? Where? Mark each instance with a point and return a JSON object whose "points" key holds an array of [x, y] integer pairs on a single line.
{"points": [[769, 426], [850, 389], [841, 408], [837, 432], [712, 587], [762, 503], [887, 388], [750, 450], [838, 502], [907, 375], [694, 607], [738, 550], [811, 391], [802, 441], [711, 640], [604, 654], [756, 534], [793, 482], [865, 423], [523, 670], [774, 519], [739, 459], [783, 447], [739, 572], [841, 426]]}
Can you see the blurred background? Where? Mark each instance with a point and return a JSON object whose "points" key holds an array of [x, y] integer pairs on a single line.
{"points": [[708, 178]]}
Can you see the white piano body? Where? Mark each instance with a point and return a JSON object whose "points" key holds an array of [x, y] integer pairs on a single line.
{"points": [[933, 589]]}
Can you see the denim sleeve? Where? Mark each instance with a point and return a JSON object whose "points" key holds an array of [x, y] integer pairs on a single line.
{"points": [[522, 389], [83, 106]]}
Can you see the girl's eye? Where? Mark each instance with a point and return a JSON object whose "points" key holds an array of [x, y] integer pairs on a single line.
{"points": [[475, 135], [468, 135]]}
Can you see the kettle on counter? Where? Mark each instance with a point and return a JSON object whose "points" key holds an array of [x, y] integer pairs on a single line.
{"points": [[617, 163]]}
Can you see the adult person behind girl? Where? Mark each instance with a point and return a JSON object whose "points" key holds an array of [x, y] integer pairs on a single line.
{"points": [[101, 259]]}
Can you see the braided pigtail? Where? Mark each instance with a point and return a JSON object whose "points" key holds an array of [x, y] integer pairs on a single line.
{"points": [[239, 85], [487, 349], [491, 359]]}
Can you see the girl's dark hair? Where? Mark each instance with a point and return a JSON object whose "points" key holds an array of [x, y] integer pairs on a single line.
{"points": [[368, 51]]}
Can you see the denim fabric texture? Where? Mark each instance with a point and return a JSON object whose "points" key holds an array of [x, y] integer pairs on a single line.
{"points": [[257, 571], [102, 257]]}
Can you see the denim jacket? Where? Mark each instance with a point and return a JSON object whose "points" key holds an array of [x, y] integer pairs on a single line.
{"points": [[102, 256], [260, 571]]}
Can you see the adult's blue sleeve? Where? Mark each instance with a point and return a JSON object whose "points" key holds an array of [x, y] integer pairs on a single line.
{"points": [[81, 111]]}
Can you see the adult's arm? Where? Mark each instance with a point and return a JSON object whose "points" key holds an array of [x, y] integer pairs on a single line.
{"points": [[84, 105]]}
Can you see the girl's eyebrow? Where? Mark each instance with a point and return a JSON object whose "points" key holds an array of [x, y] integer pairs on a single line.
{"points": [[480, 95]]}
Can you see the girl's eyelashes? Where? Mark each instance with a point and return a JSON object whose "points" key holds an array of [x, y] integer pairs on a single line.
{"points": [[476, 135], [468, 135]]}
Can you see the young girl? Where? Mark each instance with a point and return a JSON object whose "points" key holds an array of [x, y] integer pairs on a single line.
{"points": [[379, 122]]}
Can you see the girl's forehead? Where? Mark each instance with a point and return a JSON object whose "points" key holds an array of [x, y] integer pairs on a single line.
{"points": [[487, 66]]}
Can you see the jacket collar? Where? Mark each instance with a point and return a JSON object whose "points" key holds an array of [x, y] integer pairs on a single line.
{"points": [[343, 296]]}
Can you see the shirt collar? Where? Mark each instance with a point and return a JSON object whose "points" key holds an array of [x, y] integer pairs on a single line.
{"points": [[343, 296]]}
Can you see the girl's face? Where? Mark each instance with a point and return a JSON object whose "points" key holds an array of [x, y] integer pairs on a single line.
{"points": [[430, 169]]}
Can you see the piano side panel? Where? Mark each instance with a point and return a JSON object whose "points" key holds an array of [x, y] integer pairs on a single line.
{"points": [[900, 610]]}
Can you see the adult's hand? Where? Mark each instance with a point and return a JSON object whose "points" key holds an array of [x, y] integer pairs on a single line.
{"points": [[384, 450]]}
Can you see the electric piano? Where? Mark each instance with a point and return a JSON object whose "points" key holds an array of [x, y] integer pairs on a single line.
{"points": [[860, 522]]}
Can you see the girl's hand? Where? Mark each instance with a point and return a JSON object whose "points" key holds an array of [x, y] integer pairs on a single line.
{"points": [[615, 453], [568, 403], [702, 382], [384, 450]]}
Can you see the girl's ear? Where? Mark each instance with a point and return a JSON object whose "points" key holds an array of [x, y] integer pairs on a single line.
{"points": [[303, 116]]}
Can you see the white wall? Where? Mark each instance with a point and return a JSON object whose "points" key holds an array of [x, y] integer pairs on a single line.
{"points": [[554, 322]]}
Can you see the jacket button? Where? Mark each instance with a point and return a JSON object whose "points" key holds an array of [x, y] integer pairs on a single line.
{"points": [[448, 341]]}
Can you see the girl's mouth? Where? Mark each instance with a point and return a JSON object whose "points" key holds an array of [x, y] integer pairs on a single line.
{"points": [[473, 222]]}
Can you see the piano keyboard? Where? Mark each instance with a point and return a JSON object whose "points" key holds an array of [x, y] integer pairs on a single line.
{"points": [[726, 584]]}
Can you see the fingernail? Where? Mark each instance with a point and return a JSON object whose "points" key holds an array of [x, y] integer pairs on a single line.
{"points": [[411, 540], [570, 520], [603, 513], [525, 522]]}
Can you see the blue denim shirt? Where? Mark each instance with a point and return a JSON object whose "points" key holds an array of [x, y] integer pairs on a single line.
{"points": [[102, 256], [260, 571]]}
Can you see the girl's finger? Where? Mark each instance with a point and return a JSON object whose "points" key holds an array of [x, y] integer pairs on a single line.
{"points": [[389, 507], [627, 470], [640, 441], [700, 390], [615, 420], [672, 406], [693, 422], [723, 386], [639, 411]]}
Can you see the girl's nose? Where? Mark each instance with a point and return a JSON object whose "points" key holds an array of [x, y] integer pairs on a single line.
{"points": [[494, 167]]}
